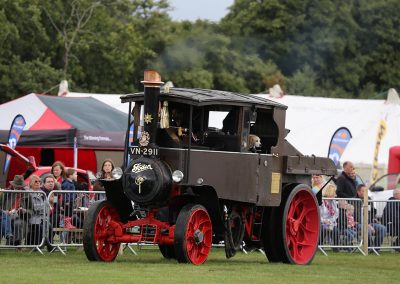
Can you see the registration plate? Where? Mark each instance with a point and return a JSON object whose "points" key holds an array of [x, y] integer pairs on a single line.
{"points": [[145, 151]]}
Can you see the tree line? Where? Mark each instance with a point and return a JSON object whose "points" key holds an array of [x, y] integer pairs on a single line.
{"points": [[330, 48]]}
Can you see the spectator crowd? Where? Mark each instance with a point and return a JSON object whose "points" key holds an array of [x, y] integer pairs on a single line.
{"points": [[341, 213], [33, 212]]}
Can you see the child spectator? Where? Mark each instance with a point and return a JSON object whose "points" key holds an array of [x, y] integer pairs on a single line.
{"points": [[351, 231], [68, 185]]}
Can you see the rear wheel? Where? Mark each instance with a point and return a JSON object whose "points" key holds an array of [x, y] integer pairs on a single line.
{"points": [[301, 226], [95, 232], [193, 234], [291, 235]]}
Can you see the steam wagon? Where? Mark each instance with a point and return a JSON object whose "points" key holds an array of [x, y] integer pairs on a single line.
{"points": [[207, 167]]}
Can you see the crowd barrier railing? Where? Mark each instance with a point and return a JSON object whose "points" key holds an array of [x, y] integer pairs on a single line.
{"points": [[24, 219], [384, 225], [30, 219], [67, 214], [341, 224], [346, 232]]}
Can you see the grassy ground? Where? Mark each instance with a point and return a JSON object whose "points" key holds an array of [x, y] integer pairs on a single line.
{"points": [[150, 267]]}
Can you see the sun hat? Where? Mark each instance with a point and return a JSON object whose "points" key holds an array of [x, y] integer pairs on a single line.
{"points": [[18, 181]]}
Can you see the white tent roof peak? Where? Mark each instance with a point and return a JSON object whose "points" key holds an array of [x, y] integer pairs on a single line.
{"points": [[276, 91], [63, 88], [167, 86], [393, 97], [313, 120]]}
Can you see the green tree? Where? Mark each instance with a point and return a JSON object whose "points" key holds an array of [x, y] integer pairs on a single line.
{"points": [[106, 45], [296, 33], [202, 54], [25, 59], [380, 41]]}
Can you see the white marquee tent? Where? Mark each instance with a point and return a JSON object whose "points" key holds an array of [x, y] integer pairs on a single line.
{"points": [[313, 120]]}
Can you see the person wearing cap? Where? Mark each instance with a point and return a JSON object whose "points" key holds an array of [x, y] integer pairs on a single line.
{"points": [[10, 205]]}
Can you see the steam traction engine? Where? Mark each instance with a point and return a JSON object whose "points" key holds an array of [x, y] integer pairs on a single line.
{"points": [[193, 178]]}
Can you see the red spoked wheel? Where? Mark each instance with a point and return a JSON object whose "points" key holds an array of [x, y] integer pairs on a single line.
{"points": [[301, 223], [193, 234], [96, 231]]}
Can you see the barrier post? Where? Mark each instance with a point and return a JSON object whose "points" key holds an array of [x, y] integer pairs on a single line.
{"points": [[365, 223]]}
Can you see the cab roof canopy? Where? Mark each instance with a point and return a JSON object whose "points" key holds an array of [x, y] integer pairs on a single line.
{"points": [[203, 97]]}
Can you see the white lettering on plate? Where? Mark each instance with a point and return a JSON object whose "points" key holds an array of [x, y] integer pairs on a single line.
{"points": [[137, 168]]}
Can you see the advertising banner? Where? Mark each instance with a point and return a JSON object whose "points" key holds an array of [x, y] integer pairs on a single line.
{"points": [[17, 126], [379, 136], [339, 141]]}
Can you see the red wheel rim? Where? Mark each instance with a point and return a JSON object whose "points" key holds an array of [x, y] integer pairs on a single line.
{"points": [[198, 236], [302, 227], [106, 250]]}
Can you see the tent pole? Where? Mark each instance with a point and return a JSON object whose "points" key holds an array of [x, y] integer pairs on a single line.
{"points": [[75, 152]]}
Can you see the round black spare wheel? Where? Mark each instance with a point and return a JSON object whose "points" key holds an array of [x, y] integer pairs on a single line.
{"points": [[147, 181]]}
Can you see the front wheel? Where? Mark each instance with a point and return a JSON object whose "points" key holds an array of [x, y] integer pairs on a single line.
{"points": [[193, 234], [95, 232]]}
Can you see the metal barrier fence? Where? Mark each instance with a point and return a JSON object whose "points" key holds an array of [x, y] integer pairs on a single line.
{"points": [[24, 219], [342, 225], [30, 219], [67, 216], [384, 225]]}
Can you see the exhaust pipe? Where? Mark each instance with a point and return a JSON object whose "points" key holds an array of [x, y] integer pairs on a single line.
{"points": [[152, 84]]}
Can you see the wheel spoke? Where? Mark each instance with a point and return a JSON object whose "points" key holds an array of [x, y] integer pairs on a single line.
{"points": [[305, 228]]}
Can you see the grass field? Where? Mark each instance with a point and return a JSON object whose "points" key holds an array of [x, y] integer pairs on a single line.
{"points": [[150, 267]]}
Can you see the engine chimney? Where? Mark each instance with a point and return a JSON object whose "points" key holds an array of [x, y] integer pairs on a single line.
{"points": [[152, 83]]}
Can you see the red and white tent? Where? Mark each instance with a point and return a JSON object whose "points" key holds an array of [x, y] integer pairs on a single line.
{"points": [[54, 123]]}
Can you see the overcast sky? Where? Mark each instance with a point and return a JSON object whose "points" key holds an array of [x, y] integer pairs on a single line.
{"points": [[192, 10]]}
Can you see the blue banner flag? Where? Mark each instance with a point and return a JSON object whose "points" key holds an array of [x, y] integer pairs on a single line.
{"points": [[17, 126], [339, 141]]}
